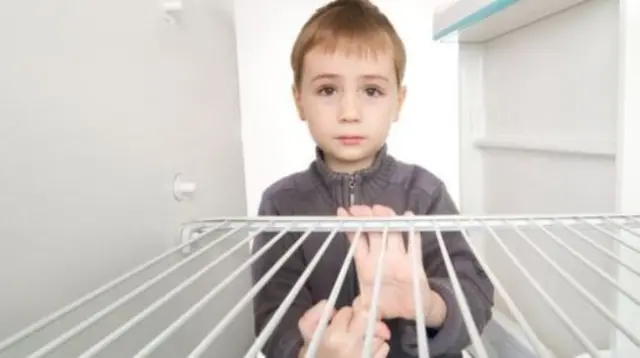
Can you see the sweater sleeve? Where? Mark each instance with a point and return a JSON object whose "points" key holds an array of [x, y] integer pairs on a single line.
{"points": [[452, 337], [286, 340]]}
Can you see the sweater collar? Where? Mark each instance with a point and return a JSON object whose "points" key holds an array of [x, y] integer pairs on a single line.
{"points": [[360, 187]]}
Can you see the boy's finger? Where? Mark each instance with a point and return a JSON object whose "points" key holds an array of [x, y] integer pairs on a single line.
{"points": [[375, 237], [361, 252], [383, 351], [310, 319], [362, 248], [358, 324], [381, 210], [361, 308], [360, 210], [363, 303], [395, 245], [360, 303], [415, 241], [314, 313], [342, 319], [365, 238], [343, 213], [382, 331], [376, 344]]}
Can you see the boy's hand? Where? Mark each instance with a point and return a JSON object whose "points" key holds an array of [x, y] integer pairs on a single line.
{"points": [[396, 290], [344, 335]]}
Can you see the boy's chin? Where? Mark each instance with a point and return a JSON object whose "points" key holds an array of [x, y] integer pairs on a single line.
{"points": [[354, 154]]}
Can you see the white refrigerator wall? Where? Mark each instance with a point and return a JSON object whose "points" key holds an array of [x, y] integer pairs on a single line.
{"points": [[276, 143], [546, 140], [101, 104]]}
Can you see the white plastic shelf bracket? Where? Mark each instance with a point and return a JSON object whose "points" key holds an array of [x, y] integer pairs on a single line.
{"points": [[183, 189], [172, 10]]}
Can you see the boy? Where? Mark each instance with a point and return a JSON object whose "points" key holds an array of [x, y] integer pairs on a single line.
{"points": [[348, 65]]}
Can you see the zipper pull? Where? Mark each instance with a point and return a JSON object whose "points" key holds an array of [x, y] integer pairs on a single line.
{"points": [[352, 194]]}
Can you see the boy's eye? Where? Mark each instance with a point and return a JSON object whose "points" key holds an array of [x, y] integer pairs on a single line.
{"points": [[326, 91], [373, 91]]}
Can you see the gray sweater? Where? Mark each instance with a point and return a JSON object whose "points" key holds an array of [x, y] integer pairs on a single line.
{"points": [[318, 191]]}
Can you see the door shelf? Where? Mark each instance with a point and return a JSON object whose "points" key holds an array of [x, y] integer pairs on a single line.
{"points": [[601, 149], [483, 20]]}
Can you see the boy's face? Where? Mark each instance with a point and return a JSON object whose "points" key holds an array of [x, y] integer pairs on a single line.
{"points": [[349, 101]]}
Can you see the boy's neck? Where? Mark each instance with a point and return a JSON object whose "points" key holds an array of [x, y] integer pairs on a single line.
{"points": [[356, 182], [342, 167], [334, 167]]}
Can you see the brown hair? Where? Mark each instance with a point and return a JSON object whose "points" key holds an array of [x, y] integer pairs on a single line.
{"points": [[356, 23]]}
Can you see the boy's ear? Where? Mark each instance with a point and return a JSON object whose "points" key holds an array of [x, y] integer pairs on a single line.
{"points": [[402, 94], [296, 99]]}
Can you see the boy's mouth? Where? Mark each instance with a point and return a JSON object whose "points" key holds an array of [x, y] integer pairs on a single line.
{"points": [[350, 139]]}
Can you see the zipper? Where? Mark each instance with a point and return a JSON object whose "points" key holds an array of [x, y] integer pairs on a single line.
{"points": [[353, 288], [352, 193]]}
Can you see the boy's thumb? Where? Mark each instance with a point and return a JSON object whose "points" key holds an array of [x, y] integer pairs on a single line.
{"points": [[343, 213]]}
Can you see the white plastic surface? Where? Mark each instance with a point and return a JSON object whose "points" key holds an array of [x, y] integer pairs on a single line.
{"points": [[483, 20], [183, 188]]}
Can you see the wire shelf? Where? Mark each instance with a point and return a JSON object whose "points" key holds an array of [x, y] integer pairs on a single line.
{"points": [[205, 282]]}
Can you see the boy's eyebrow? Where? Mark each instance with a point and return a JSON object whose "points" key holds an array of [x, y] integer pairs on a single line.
{"points": [[375, 77], [334, 76], [325, 76]]}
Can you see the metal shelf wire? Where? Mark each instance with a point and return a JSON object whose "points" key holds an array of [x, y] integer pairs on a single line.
{"points": [[214, 261]]}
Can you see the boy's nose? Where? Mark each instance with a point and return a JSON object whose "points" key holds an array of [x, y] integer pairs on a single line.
{"points": [[349, 110], [349, 118]]}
